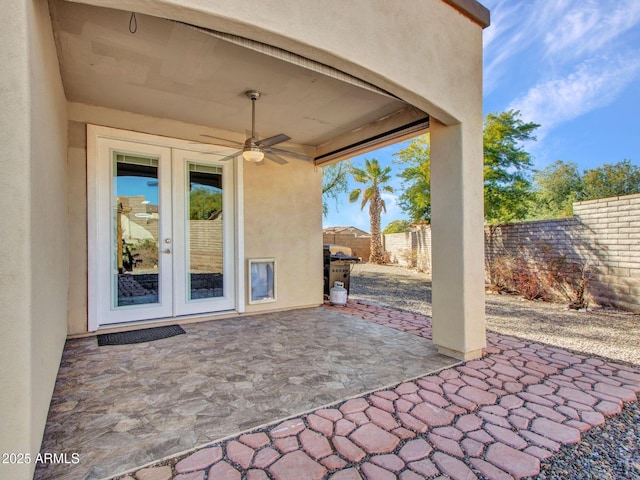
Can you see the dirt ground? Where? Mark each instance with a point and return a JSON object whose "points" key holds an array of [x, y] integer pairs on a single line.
{"points": [[603, 331]]}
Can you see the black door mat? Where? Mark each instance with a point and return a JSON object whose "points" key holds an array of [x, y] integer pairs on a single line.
{"points": [[139, 336]]}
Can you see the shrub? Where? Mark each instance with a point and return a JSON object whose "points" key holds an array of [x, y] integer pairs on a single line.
{"points": [[527, 281], [570, 279], [548, 277], [410, 257], [500, 272]]}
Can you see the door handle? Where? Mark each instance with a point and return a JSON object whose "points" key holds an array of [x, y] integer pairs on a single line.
{"points": [[166, 250]]}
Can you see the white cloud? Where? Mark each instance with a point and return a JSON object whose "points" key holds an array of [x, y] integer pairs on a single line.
{"points": [[568, 57], [508, 34], [351, 215], [358, 219], [515, 27], [393, 209], [593, 84], [504, 17], [589, 26], [564, 32]]}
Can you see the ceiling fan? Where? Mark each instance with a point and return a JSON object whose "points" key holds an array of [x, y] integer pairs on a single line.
{"points": [[256, 150]]}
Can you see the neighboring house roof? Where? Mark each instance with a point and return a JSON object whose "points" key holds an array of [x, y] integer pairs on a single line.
{"points": [[346, 230]]}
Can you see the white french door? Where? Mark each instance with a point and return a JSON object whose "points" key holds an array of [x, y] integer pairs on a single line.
{"points": [[203, 216], [161, 233]]}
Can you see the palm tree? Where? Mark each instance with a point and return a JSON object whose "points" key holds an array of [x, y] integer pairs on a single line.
{"points": [[375, 177]]}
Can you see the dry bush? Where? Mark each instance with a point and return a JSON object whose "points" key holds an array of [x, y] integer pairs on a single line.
{"points": [[145, 253], [410, 257], [547, 277], [422, 264], [570, 279], [527, 281], [500, 272]]}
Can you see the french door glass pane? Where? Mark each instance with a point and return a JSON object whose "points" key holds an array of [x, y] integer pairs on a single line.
{"points": [[135, 230], [205, 232]]}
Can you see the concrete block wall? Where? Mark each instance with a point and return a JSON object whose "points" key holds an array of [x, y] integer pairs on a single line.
{"points": [[423, 246], [603, 234], [612, 226], [411, 249], [550, 250], [401, 248], [206, 244], [360, 246]]}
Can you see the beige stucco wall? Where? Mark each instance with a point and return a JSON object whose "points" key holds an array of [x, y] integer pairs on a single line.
{"points": [[49, 238], [33, 243], [77, 200], [282, 213], [15, 288], [283, 220]]}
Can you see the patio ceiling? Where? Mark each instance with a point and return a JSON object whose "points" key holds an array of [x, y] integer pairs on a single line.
{"points": [[171, 70]]}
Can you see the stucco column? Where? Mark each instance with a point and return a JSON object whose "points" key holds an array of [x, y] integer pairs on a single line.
{"points": [[34, 251], [457, 239], [15, 401]]}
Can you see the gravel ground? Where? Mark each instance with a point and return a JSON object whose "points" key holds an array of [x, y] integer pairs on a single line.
{"points": [[608, 452], [603, 331]]}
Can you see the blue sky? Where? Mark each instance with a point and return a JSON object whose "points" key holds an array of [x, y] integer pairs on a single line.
{"points": [[572, 66]]}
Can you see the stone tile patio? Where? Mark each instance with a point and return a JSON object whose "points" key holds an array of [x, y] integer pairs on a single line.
{"points": [[120, 407], [493, 418]]}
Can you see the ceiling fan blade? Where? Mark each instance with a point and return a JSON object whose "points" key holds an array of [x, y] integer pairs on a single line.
{"points": [[275, 158], [288, 153], [267, 142], [229, 157], [219, 138]]}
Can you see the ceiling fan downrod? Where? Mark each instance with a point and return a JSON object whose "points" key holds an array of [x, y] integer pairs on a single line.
{"points": [[251, 151], [253, 95]]}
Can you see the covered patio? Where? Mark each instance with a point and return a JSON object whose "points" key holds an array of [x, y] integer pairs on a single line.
{"points": [[102, 95], [121, 407]]}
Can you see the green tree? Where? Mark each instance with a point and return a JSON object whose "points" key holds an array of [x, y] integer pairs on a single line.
{"points": [[556, 187], [415, 199], [397, 226], [560, 184], [611, 180], [375, 179], [506, 170], [507, 164], [203, 202], [335, 182]]}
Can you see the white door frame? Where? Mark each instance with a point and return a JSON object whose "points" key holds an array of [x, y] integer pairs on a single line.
{"points": [[98, 193]]}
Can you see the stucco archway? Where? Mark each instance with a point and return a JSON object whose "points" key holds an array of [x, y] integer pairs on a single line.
{"points": [[446, 85], [426, 54]]}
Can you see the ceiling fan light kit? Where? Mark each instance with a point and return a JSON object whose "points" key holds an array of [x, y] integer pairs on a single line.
{"points": [[251, 152], [253, 155], [255, 150]]}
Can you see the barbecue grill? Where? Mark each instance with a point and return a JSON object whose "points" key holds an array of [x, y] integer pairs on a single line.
{"points": [[338, 261]]}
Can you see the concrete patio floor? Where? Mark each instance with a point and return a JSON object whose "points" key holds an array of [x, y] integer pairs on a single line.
{"points": [[121, 407], [494, 418]]}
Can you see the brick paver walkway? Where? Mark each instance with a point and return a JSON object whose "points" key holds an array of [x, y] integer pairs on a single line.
{"points": [[492, 418]]}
